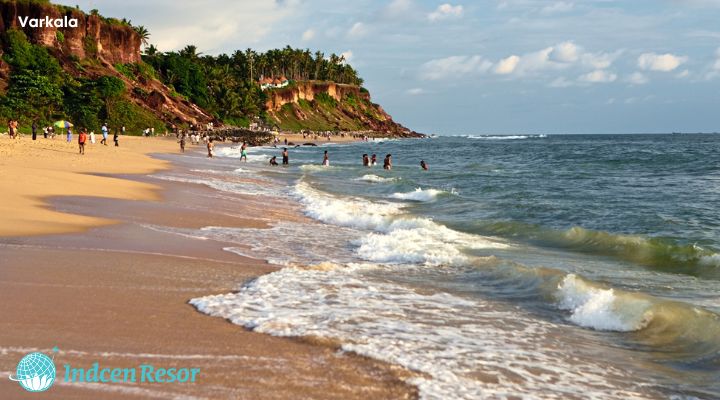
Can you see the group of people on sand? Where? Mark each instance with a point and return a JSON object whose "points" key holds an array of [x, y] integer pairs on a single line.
{"points": [[83, 138]]}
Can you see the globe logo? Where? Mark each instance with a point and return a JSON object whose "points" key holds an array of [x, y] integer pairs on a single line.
{"points": [[35, 372]]}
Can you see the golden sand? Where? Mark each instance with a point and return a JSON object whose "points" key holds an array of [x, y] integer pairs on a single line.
{"points": [[32, 171]]}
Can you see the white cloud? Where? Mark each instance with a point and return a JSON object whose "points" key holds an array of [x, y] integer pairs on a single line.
{"points": [[683, 74], [561, 83], [557, 8], [308, 35], [397, 8], [507, 65], [637, 78], [660, 62], [566, 52], [453, 67], [357, 30], [415, 91], [600, 60], [348, 55], [598, 76], [446, 11]]}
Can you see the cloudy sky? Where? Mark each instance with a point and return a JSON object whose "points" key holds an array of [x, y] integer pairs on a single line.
{"points": [[483, 66]]}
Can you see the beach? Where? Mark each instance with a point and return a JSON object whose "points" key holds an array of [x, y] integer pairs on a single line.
{"points": [[84, 266]]}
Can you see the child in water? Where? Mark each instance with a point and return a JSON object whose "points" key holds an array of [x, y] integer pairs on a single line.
{"points": [[273, 161]]}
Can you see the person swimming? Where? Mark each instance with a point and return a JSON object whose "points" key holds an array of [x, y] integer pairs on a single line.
{"points": [[387, 164], [423, 165]]}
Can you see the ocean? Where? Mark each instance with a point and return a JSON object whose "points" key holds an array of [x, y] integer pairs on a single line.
{"points": [[526, 266]]}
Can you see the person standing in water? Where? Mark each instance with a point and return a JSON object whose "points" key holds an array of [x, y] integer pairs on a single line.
{"points": [[373, 160], [387, 164], [82, 138], [285, 156], [423, 165], [273, 161], [326, 159], [366, 160], [210, 146], [243, 152]]}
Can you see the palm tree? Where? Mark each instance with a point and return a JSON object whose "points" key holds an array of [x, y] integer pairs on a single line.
{"points": [[143, 33], [151, 50], [190, 51]]}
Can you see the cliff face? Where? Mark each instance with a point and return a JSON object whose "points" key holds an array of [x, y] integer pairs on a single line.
{"points": [[112, 43], [321, 106], [108, 44]]}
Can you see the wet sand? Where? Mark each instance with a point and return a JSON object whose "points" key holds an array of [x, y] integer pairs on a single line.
{"points": [[117, 294]]}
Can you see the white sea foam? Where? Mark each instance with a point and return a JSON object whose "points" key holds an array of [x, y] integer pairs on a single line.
{"points": [[602, 309], [348, 212], [712, 260], [376, 179], [452, 341], [419, 194], [244, 188], [507, 137]]}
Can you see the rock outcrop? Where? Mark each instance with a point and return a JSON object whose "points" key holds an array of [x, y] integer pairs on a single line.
{"points": [[110, 42]]}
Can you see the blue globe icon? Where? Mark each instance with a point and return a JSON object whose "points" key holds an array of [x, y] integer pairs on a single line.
{"points": [[35, 372]]}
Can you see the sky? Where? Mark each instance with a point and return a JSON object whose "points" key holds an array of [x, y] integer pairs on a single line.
{"points": [[483, 66]]}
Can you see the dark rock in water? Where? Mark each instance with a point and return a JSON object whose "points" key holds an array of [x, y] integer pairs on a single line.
{"points": [[309, 144], [238, 135], [291, 144]]}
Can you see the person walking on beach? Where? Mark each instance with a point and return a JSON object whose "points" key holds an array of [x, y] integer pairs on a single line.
{"points": [[326, 159], [34, 130], [69, 135], [387, 164], [104, 130], [285, 156], [82, 138], [12, 128], [373, 160], [45, 132], [243, 152], [423, 165], [210, 146], [182, 142], [116, 138], [92, 137]]}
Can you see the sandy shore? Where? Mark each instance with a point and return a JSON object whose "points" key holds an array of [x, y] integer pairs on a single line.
{"points": [[117, 293]]}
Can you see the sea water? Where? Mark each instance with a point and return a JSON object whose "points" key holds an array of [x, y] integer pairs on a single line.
{"points": [[524, 266]]}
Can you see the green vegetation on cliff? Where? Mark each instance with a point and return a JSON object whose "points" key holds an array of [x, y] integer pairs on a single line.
{"points": [[39, 89], [67, 74], [226, 85]]}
